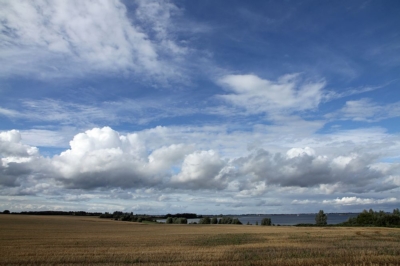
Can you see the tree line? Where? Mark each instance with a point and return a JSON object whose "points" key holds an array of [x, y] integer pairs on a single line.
{"points": [[375, 218], [365, 218]]}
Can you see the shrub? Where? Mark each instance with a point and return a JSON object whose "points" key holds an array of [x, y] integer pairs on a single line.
{"points": [[214, 220]]}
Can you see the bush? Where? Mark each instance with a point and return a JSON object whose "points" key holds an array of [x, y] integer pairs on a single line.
{"points": [[214, 220]]}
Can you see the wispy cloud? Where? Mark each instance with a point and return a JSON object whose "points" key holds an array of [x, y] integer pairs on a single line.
{"points": [[366, 110], [73, 38]]}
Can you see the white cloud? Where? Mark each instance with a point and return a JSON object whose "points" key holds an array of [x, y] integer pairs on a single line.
{"points": [[202, 170], [360, 201], [159, 162], [304, 168], [8, 112], [366, 110], [101, 157], [47, 138], [76, 37], [304, 202], [18, 161], [296, 152], [69, 113], [155, 17], [10, 145], [258, 95]]}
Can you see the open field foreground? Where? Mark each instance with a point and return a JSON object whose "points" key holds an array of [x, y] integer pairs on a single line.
{"points": [[52, 240]]}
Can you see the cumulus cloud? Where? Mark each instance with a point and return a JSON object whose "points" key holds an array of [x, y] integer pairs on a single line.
{"points": [[257, 95], [203, 170], [103, 158], [304, 168], [154, 162], [75, 37], [360, 201], [18, 161], [11, 147]]}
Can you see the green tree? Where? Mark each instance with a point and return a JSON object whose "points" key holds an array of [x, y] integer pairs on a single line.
{"points": [[180, 220], [266, 221], [169, 220], [6, 212], [225, 220], [205, 220], [214, 220], [236, 221], [321, 218]]}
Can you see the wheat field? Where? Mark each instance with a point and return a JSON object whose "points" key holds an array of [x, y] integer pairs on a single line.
{"points": [[73, 240]]}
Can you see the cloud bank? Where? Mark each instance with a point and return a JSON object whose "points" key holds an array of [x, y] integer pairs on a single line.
{"points": [[102, 158]]}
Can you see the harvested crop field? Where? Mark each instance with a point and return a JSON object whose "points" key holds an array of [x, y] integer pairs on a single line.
{"points": [[67, 240]]}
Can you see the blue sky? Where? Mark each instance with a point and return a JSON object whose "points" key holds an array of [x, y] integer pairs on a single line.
{"points": [[199, 106]]}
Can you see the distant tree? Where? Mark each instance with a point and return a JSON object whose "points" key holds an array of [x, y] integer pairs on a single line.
{"points": [[106, 215], [6, 212], [117, 214], [169, 220], [266, 222], [205, 220], [225, 220], [180, 220], [375, 218], [236, 221], [214, 220], [321, 218]]}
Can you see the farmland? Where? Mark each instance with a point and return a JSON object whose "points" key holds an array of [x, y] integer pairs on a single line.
{"points": [[68, 240]]}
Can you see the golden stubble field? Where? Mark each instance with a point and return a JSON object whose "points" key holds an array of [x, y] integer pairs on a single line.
{"points": [[69, 240]]}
